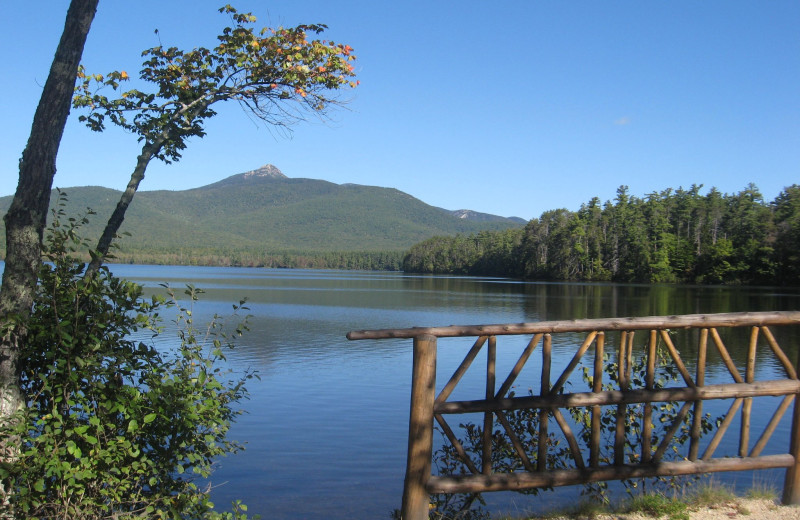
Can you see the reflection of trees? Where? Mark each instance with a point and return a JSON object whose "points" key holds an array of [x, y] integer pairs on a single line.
{"points": [[562, 301]]}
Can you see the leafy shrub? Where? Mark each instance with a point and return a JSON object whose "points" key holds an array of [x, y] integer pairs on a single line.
{"points": [[114, 427]]}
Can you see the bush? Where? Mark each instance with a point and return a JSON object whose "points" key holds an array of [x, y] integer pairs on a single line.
{"points": [[114, 427]]}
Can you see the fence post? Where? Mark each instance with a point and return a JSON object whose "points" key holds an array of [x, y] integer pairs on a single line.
{"points": [[420, 430], [791, 484]]}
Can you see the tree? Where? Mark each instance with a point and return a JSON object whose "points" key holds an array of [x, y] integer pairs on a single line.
{"points": [[277, 75], [688, 227], [748, 221], [26, 217], [538, 245], [787, 221]]}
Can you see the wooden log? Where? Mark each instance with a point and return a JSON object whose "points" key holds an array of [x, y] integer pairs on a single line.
{"points": [[791, 483], [523, 359], [597, 411], [544, 415], [749, 373], [488, 417], [731, 319], [650, 375], [629, 361], [420, 430], [461, 370], [676, 358], [448, 432], [573, 362], [668, 436], [712, 446], [723, 352], [614, 397], [770, 428], [628, 369], [565, 477], [778, 351], [619, 433], [574, 449], [700, 380], [518, 448]]}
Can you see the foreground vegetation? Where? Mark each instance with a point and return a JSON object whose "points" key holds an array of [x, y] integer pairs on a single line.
{"points": [[94, 423], [114, 427], [669, 236]]}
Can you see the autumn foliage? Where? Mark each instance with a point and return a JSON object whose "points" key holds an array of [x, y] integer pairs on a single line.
{"points": [[279, 75]]}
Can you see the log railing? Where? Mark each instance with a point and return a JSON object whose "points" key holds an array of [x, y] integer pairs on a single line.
{"points": [[551, 399]]}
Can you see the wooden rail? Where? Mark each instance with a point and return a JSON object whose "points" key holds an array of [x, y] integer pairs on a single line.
{"points": [[651, 458]]}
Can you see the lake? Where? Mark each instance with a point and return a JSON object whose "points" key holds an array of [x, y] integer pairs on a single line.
{"points": [[327, 423]]}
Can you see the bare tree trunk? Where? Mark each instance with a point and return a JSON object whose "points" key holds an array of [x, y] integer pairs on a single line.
{"points": [[27, 215], [118, 216]]}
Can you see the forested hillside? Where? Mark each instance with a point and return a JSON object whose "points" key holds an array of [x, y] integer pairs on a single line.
{"points": [[264, 218], [670, 236]]}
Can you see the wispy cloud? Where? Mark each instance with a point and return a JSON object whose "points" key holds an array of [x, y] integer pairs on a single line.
{"points": [[622, 121]]}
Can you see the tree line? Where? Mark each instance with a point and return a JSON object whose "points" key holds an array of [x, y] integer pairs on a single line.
{"points": [[290, 259], [671, 236]]}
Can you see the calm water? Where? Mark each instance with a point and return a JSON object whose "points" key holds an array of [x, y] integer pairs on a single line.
{"points": [[326, 425]]}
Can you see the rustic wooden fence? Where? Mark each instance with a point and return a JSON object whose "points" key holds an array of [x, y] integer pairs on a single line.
{"points": [[426, 407]]}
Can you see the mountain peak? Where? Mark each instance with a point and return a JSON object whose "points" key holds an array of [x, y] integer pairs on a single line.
{"points": [[268, 170], [475, 216]]}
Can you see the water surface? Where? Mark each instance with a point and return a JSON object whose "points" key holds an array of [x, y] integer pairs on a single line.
{"points": [[326, 424]]}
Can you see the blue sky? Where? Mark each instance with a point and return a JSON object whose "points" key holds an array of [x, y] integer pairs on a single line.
{"points": [[505, 107]]}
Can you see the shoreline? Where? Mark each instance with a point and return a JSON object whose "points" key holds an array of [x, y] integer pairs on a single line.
{"points": [[737, 507]]}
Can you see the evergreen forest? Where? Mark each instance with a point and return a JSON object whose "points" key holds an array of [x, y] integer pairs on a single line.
{"points": [[672, 236]]}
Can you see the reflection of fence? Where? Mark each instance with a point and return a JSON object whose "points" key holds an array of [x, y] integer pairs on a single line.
{"points": [[426, 406]]}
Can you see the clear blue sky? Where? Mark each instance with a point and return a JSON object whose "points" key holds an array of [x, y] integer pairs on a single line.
{"points": [[505, 107]]}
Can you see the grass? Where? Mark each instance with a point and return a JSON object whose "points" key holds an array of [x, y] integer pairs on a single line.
{"points": [[710, 493], [657, 505], [762, 490]]}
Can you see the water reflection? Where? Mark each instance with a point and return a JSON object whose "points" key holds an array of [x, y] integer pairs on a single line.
{"points": [[556, 301]]}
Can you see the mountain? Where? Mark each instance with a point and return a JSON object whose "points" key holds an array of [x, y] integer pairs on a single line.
{"points": [[468, 214], [264, 210]]}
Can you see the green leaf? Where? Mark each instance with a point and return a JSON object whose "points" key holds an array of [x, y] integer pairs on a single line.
{"points": [[133, 426]]}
